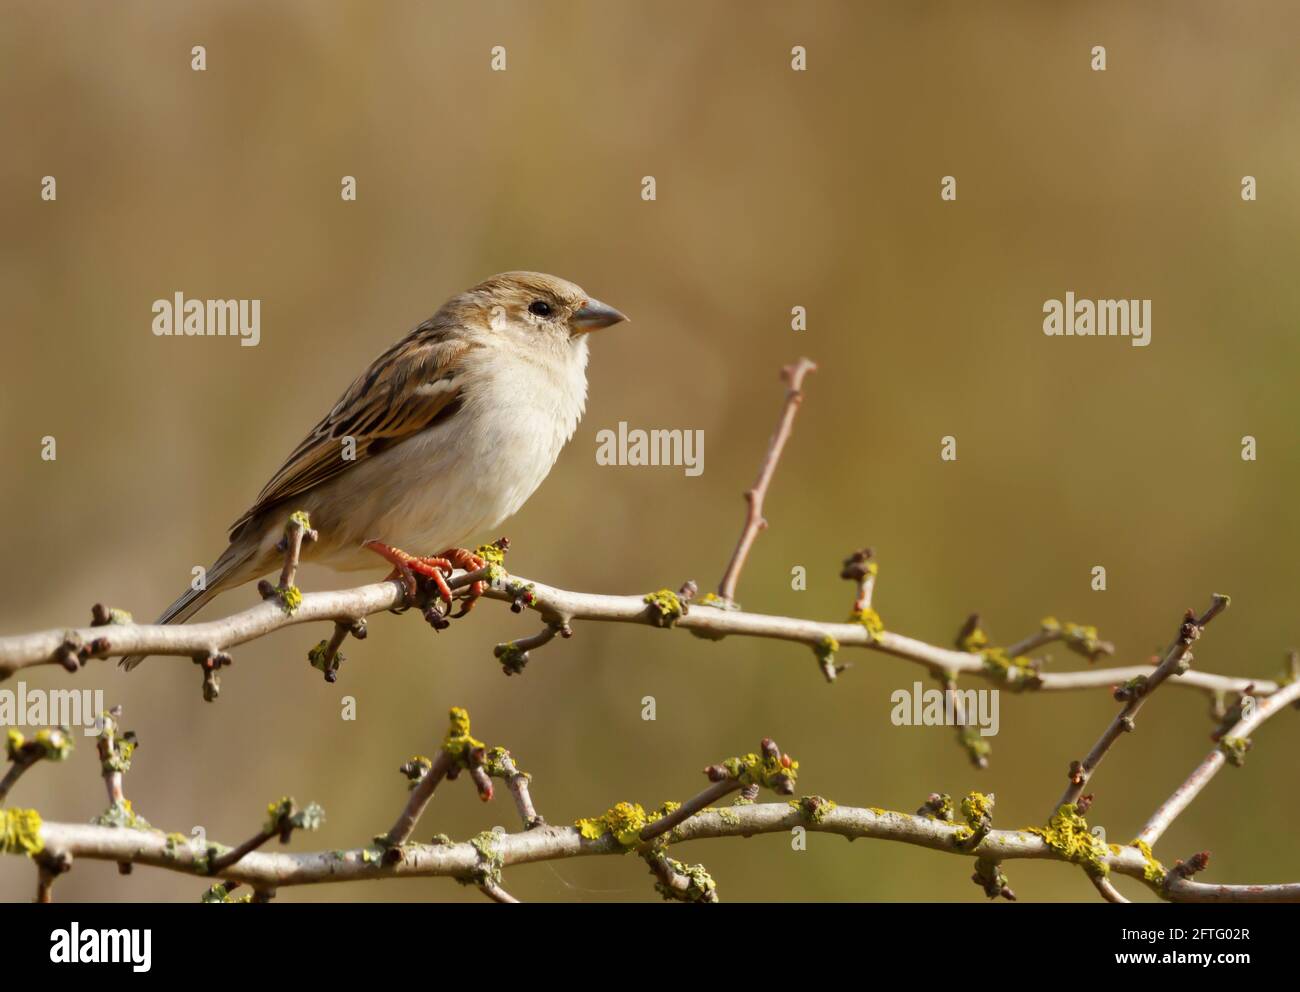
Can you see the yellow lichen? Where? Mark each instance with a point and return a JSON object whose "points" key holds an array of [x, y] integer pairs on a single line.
{"points": [[1153, 871], [20, 832], [458, 743], [666, 608], [624, 821], [1068, 835], [870, 619]]}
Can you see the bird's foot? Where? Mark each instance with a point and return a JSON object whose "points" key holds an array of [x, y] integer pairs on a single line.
{"points": [[471, 562], [438, 569], [407, 566]]}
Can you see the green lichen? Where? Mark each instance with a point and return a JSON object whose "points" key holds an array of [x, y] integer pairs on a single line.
{"points": [[20, 832], [513, 658], [494, 763], [119, 748], [700, 885], [174, 845], [666, 607], [977, 808], [221, 893], [1068, 835], [416, 769], [119, 617], [203, 861], [977, 746], [1082, 639], [938, 807], [319, 660], [716, 602], [46, 744], [522, 594], [491, 860], [1016, 673], [284, 815], [973, 641], [816, 808], [1154, 872], [771, 771], [1234, 750], [728, 816], [1132, 689], [869, 619], [990, 876], [122, 814], [825, 651]]}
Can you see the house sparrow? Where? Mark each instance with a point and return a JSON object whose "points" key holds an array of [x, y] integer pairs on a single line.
{"points": [[449, 432]]}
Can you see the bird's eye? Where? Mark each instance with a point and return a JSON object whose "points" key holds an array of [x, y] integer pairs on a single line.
{"points": [[539, 308]]}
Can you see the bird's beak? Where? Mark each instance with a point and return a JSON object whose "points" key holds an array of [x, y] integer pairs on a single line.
{"points": [[593, 315]]}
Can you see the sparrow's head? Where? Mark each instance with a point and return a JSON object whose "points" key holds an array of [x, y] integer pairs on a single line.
{"points": [[532, 303]]}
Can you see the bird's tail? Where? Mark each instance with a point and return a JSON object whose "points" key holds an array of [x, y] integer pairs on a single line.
{"points": [[192, 600]]}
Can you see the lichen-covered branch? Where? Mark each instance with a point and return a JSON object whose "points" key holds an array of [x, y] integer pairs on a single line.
{"points": [[964, 829], [551, 843], [559, 608]]}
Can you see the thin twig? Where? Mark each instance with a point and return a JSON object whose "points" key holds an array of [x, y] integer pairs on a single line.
{"points": [[220, 863], [1135, 693], [495, 892], [689, 808], [1108, 890], [401, 831], [517, 782], [792, 376], [1214, 761], [15, 772]]}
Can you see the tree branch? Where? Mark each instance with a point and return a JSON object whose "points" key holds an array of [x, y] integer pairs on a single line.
{"points": [[792, 376], [120, 835], [552, 843], [1135, 692], [559, 607], [1214, 761]]}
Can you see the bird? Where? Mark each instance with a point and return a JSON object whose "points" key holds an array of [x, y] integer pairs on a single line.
{"points": [[446, 434]]}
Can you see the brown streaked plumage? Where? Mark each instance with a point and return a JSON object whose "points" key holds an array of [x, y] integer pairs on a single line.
{"points": [[451, 430]]}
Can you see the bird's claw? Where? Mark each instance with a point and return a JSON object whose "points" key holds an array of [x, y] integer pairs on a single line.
{"points": [[437, 569], [470, 562]]}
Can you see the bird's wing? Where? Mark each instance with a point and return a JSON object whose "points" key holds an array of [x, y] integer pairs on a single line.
{"points": [[407, 389]]}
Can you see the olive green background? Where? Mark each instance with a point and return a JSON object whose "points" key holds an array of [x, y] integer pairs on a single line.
{"points": [[775, 189]]}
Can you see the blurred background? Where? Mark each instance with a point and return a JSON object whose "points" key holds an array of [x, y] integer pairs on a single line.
{"points": [[775, 189]]}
